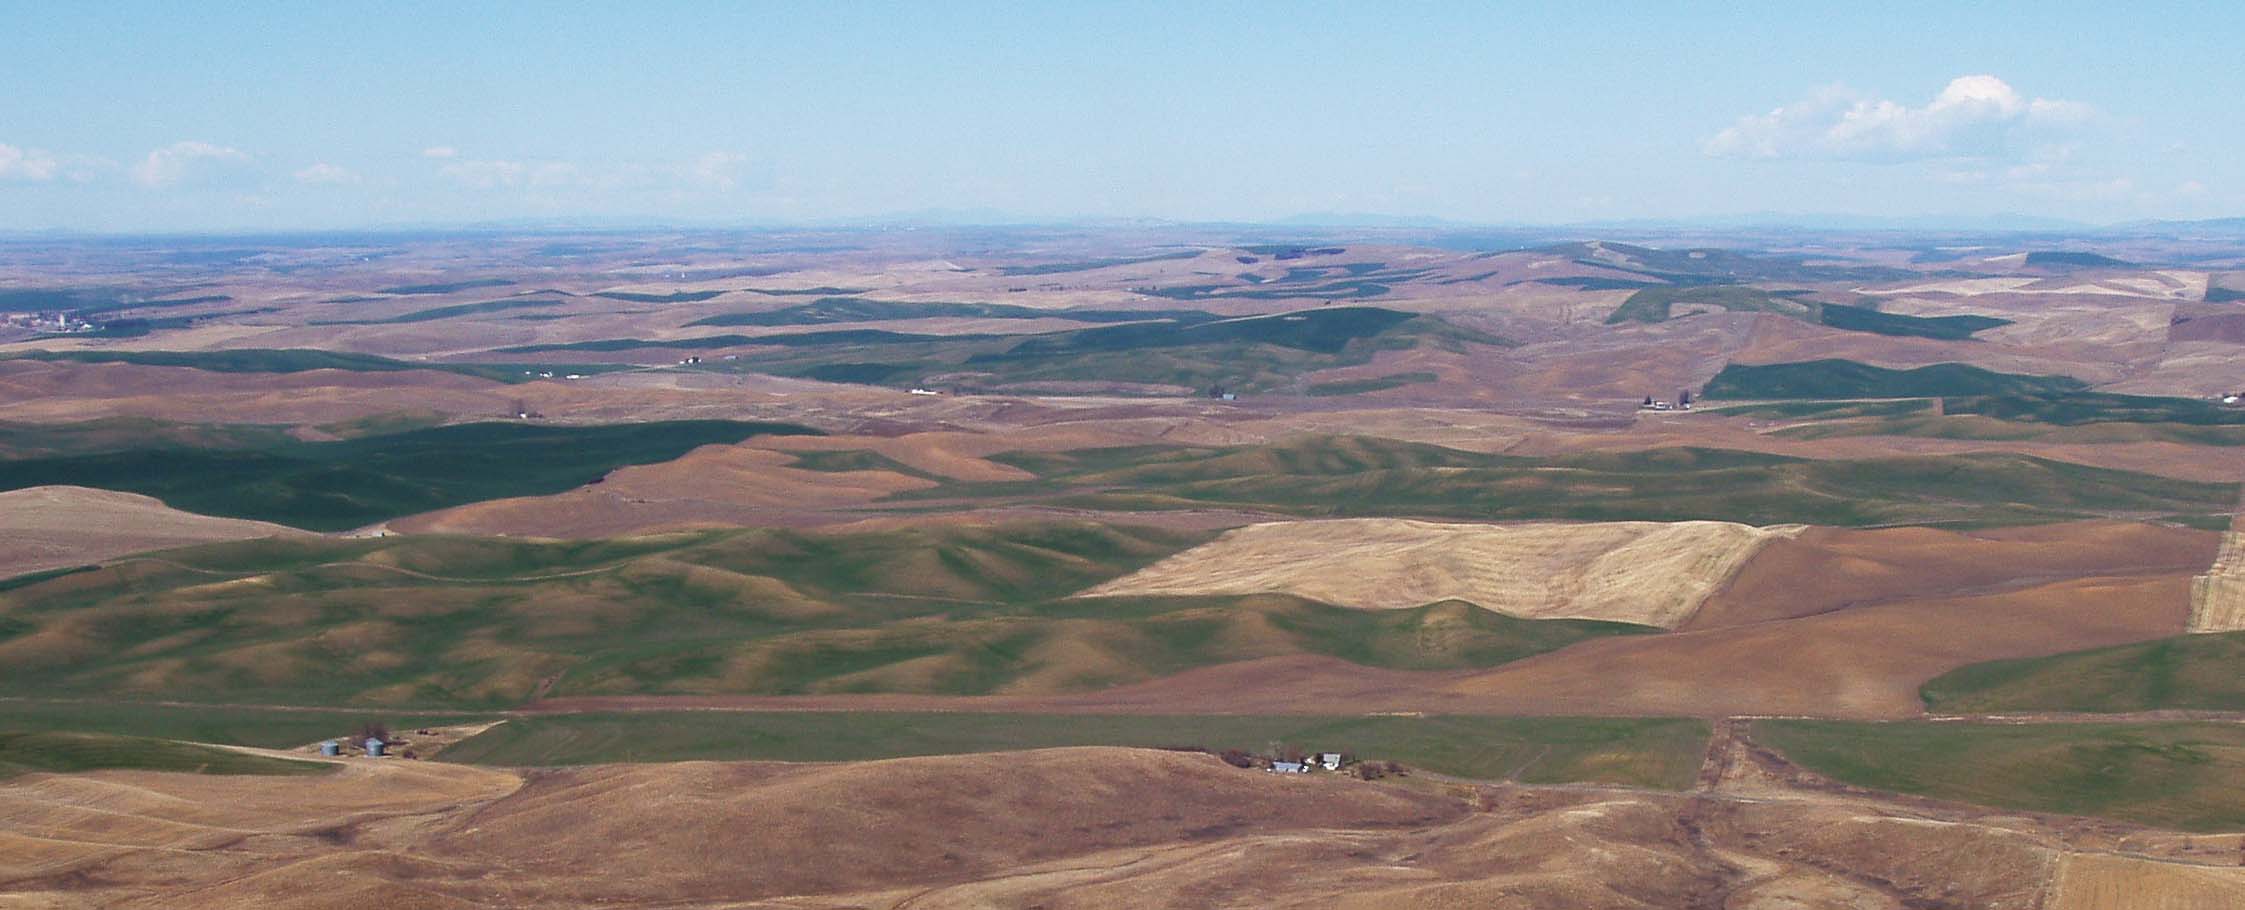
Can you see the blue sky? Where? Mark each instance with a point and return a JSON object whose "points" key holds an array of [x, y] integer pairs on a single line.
{"points": [[145, 116]]}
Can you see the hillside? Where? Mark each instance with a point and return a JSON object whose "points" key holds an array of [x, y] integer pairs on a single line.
{"points": [[333, 486], [57, 527], [1847, 379]]}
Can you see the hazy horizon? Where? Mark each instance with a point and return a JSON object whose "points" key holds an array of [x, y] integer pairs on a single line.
{"points": [[147, 118]]}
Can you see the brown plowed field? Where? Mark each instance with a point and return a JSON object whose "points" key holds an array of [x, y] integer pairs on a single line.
{"points": [[1865, 662], [1827, 569]]}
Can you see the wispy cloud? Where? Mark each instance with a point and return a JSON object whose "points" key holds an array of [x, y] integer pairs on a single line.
{"points": [[190, 163], [506, 174], [440, 151], [325, 174], [27, 164], [1978, 116], [719, 170]]}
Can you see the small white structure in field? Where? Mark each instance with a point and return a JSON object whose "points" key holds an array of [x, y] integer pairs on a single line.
{"points": [[1289, 767], [1330, 761], [925, 392]]}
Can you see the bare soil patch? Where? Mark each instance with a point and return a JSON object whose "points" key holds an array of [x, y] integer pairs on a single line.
{"points": [[44, 528]]}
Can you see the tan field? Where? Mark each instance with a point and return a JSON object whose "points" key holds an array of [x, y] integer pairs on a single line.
{"points": [[1074, 828], [45, 528], [2098, 881], [1648, 573], [2217, 598]]}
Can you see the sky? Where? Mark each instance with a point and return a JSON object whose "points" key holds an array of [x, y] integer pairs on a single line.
{"points": [[140, 117]]}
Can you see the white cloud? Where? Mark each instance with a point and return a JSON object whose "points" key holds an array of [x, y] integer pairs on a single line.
{"points": [[1976, 116], [440, 151], [27, 164], [490, 175], [721, 170], [323, 173], [189, 163], [484, 174]]}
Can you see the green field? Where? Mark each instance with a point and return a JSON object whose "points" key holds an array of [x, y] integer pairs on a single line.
{"points": [[2078, 408], [292, 360], [2183, 776], [672, 297], [447, 287], [2225, 287], [826, 310], [1691, 266], [1656, 304], [1375, 384], [1360, 477], [1974, 426], [1826, 410], [479, 623], [447, 312], [332, 486], [266, 728], [2190, 672], [64, 753], [119, 434], [1866, 319], [2072, 417], [1848, 379], [1058, 268], [834, 338], [1661, 753], [1252, 354]]}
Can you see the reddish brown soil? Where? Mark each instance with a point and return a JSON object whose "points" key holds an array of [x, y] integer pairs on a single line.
{"points": [[2208, 324], [1862, 663], [1828, 569]]}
